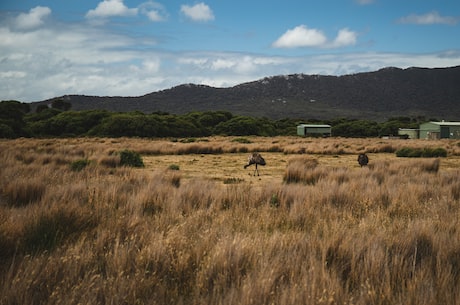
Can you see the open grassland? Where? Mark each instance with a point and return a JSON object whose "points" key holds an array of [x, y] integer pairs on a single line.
{"points": [[194, 227]]}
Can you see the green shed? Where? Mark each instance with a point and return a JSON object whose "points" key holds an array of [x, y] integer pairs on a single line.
{"points": [[314, 130], [440, 130]]}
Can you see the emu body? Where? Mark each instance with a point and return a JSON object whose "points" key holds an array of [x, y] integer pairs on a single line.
{"points": [[256, 159], [363, 160]]}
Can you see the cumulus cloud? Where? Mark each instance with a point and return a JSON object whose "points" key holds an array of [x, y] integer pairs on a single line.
{"points": [[302, 36], [33, 19], [429, 18], [197, 12], [345, 37], [109, 8]]}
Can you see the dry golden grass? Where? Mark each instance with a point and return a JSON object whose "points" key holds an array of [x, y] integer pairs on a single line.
{"points": [[194, 227]]}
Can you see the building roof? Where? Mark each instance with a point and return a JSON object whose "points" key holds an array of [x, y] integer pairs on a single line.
{"points": [[446, 123], [315, 125]]}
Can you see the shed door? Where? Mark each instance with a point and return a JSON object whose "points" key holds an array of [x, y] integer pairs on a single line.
{"points": [[444, 132]]}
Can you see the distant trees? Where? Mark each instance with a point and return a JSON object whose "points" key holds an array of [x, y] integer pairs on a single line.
{"points": [[391, 126], [356, 128], [56, 120], [12, 123], [366, 128], [246, 126], [57, 123]]}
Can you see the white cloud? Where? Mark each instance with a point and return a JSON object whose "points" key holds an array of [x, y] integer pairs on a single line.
{"points": [[154, 11], [154, 16], [33, 19], [222, 63], [300, 36], [429, 18], [108, 8], [345, 37], [151, 65], [241, 64], [197, 12]]}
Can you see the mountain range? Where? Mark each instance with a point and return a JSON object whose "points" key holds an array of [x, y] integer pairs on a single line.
{"points": [[379, 95]]}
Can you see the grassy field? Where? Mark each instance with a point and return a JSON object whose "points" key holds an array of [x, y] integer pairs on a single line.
{"points": [[194, 227]]}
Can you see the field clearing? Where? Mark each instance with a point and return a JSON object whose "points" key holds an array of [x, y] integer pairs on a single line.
{"points": [[228, 167]]}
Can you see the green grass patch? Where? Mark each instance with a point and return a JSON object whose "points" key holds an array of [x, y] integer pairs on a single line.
{"points": [[242, 140]]}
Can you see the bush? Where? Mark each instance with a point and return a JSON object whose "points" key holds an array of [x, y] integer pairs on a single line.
{"points": [[174, 167], [421, 152], [131, 158], [78, 165], [435, 152], [408, 152], [6, 132]]}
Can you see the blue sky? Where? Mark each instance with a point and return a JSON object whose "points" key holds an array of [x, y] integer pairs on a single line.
{"points": [[131, 48]]}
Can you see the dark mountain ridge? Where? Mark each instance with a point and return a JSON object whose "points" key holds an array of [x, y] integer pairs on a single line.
{"points": [[378, 95]]}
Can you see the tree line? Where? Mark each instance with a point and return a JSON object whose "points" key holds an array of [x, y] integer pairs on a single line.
{"points": [[58, 120]]}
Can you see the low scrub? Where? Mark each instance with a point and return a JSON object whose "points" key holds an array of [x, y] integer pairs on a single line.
{"points": [[79, 165], [426, 152], [131, 158]]}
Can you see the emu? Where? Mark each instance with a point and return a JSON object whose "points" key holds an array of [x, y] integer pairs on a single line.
{"points": [[363, 160], [257, 159]]}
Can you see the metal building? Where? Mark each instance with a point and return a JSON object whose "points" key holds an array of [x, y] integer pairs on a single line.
{"points": [[440, 130], [314, 130], [409, 133]]}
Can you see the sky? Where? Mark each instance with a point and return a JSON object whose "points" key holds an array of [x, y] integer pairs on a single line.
{"points": [[51, 48]]}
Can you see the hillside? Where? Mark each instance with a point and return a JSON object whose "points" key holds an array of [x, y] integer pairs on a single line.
{"points": [[389, 92]]}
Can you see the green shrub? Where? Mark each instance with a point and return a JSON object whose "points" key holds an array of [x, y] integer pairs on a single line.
{"points": [[78, 165], [435, 152], [174, 167], [131, 158], [421, 152]]}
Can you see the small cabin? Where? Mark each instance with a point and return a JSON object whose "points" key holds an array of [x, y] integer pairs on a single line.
{"points": [[314, 130], [440, 130], [408, 133]]}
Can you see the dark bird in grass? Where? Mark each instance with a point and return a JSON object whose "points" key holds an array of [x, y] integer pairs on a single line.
{"points": [[257, 159], [363, 159]]}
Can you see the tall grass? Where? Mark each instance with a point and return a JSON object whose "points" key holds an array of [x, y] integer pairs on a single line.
{"points": [[386, 234]]}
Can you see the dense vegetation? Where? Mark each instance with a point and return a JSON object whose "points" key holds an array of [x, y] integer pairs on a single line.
{"points": [[16, 120]]}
